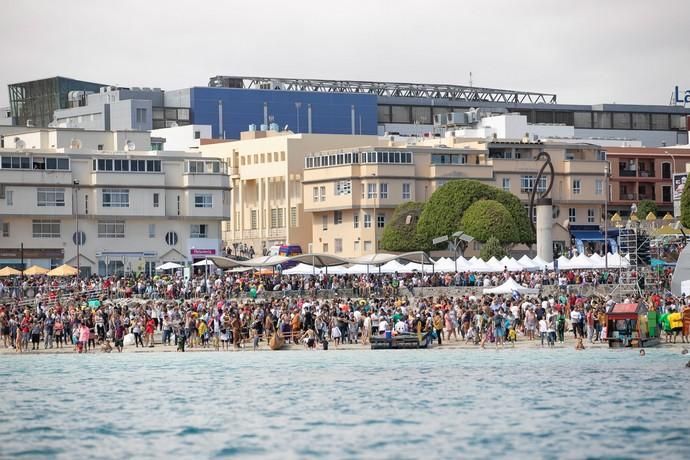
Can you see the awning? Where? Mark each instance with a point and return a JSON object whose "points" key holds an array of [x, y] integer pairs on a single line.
{"points": [[587, 235]]}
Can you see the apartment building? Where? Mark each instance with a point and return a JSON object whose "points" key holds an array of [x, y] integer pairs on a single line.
{"points": [[352, 193], [266, 169], [109, 212], [644, 174]]}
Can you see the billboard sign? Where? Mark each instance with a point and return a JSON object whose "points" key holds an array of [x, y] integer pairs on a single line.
{"points": [[678, 187]]}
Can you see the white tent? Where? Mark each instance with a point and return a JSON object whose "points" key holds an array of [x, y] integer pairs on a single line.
{"points": [[563, 263], [392, 267], [444, 264], [169, 266], [541, 263], [617, 261], [479, 266], [509, 287], [580, 262], [204, 262], [511, 264], [527, 263], [495, 264]]}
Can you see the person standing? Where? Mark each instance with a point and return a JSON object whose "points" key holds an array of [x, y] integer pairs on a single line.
{"points": [[438, 326], [686, 324]]}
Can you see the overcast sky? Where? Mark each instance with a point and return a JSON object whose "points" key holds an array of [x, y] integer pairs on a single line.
{"points": [[585, 51]]}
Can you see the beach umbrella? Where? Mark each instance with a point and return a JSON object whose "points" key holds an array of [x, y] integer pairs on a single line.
{"points": [[35, 270], [63, 270], [9, 271]]}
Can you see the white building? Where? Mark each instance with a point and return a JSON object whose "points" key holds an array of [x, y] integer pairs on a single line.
{"points": [[126, 210]]}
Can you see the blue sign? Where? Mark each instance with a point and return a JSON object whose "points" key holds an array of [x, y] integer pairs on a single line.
{"points": [[686, 96]]}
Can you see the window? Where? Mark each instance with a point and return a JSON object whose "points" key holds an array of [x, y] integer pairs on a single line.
{"points": [[46, 228], [141, 115], [324, 222], [156, 200], [115, 198], [371, 191], [599, 186], [602, 120], [6, 229], [79, 238], [337, 217], [338, 245], [576, 186], [51, 197], [343, 187], [383, 189], [640, 121], [171, 238], [54, 163], [367, 221], [506, 184], [355, 220], [9, 197], [572, 215], [356, 246], [111, 228], [367, 246], [198, 231], [325, 248], [400, 114], [253, 220], [197, 134], [665, 170], [621, 120], [583, 119], [316, 194], [203, 200], [660, 121], [381, 220], [152, 230], [178, 205], [527, 183], [406, 194], [202, 167], [590, 216], [384, 113], [666, 193], [322, 192]]}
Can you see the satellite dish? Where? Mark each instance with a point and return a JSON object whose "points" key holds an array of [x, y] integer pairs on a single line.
{"points": [[75, 144], [129, 146], [18, 143]]}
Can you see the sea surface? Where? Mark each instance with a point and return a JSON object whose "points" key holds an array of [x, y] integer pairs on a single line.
{"points": [[441, 404]]}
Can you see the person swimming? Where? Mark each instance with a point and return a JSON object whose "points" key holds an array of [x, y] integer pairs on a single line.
{"points": [[642, 352], [579, 345], [684, 351]]}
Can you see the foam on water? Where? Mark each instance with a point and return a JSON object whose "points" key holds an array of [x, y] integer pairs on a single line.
{"points": [[347, 404]]}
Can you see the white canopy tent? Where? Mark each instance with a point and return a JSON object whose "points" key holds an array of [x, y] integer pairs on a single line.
{"points": [[169, 266], [511, 286], [511, 264], [527, 263], [204, 263]]}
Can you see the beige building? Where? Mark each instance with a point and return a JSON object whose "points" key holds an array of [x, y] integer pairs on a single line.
{"points": [[266, 169], [352, 193]]}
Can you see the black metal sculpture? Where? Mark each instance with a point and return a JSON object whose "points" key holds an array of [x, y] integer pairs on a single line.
{"points": [[543, 197]]}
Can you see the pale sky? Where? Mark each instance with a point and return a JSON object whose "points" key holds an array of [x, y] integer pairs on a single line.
{"points": [[585, 51]]}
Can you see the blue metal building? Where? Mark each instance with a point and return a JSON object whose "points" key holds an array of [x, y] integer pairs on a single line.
{"points": [[238, 108]]}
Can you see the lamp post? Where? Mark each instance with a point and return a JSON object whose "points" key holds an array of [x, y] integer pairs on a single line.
{"points": [[373, 217], [606, 216], [77, 235]]}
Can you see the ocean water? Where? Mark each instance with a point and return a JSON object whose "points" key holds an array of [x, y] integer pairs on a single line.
{"points": [[523, 403]]}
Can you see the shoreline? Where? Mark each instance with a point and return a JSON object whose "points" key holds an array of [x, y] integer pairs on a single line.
{"points": [[263, 347]]}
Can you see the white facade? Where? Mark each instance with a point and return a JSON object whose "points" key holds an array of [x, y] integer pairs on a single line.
{"points": [[134, 209], [183, 138]]}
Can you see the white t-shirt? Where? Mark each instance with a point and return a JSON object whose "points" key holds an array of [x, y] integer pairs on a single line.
{"points": [[383, 324]]}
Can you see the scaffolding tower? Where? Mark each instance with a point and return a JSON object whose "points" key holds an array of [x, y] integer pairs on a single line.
{"points": [[627, 246]]}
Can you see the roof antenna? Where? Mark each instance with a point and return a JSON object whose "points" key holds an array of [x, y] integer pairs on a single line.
{"points": [[470, 79]]}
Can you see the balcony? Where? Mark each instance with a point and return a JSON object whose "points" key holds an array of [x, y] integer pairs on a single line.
{"points": [[627, 172]]}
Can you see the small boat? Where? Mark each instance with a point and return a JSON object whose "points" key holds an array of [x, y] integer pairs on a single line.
{"points": [[276, 342]]}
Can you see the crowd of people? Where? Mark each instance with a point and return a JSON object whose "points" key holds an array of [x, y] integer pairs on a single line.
{"points": [[209, 313]]}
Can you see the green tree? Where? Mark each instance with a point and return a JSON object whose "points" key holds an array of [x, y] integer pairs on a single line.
{"points": [[399, 235], [644, 207], [443, 212], [492, 248], [685, 206], [489, 218]]}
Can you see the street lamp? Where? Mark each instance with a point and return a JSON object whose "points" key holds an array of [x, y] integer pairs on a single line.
{"points": [[375, 222], [607, 172], [77, 235]]}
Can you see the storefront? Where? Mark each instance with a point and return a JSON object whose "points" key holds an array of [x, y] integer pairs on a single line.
{"points": [[123, 263], [20, 258]]}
